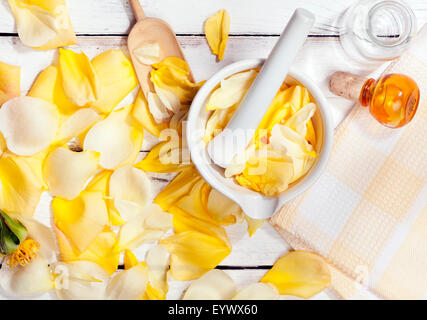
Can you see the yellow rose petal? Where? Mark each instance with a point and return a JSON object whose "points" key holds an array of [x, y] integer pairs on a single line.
{"points": [[214, 285], [129, 284], [79, 79], [181, 185], [195, 203], [20, 187], [299, 273], [116, 79], [157, 260], [150, 225], [172, 76], [129, 259], [3, 146], [253, 225], [148, 54], [29, 125], [35, 163], [43, 25], [76, 124], [194, 253], [231, 91], [183, 221], [300, 97], [295, 146], [157, 109], [165, 157], [118, 139], [100, 183], [217, 28], [82, 218], [48, 86], [217, 122], [286, 103], [10, 82], [133, 234], [130, 190], [67, 172], [142, 114], [258, 291], [80, 280], [269, 175], [175, 124], [279, 110], [223, 209], [32, 279], [168, 99], [100, 251], [298, 121], [157, 219], [238, 163], [311, 134]]}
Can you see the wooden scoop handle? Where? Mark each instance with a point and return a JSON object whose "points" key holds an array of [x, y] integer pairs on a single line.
{"points": [[137, 9]]}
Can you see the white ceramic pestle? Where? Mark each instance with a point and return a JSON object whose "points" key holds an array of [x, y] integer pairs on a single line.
{"points": [[241, 128]]}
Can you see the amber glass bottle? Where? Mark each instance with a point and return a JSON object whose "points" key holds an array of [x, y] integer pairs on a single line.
{"points": [[392, 99]]}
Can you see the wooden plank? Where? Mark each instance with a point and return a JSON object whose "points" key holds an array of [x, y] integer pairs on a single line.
{"points": [[247, 16]]}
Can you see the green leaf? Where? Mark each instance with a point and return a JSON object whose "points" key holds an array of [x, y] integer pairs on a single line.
{"points": [[12, 233]]}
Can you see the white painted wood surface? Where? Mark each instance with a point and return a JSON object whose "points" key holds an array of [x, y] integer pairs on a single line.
{"points": [[103, 24], [263, 17]]}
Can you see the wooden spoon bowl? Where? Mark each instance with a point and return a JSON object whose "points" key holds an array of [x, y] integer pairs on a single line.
{"points": [[149, 31]]}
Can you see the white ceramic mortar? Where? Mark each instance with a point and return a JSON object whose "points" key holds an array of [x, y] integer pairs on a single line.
{"points": [[254, 204]]}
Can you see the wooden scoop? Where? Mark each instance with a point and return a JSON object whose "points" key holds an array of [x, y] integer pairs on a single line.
{"points": [[149, 31]]}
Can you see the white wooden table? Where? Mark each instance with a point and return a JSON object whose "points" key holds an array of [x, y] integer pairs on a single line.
{"points": [[255, 26]]}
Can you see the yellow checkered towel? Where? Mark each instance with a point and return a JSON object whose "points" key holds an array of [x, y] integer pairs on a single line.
{"points": [[367, 214]]}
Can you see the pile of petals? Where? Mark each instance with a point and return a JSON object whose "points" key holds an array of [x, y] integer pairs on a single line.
{"points": [[71, 137], [94, 189], [102, 202], [283, 147]]}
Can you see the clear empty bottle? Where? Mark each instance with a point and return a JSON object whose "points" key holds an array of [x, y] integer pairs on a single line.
{"points": [[376, 30]]}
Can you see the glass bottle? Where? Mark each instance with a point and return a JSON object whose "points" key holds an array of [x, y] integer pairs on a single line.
{"points": [[373, 31], [392, 99]]}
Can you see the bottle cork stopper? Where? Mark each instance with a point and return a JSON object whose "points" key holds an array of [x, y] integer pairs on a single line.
{"points": [[346, 85]]}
